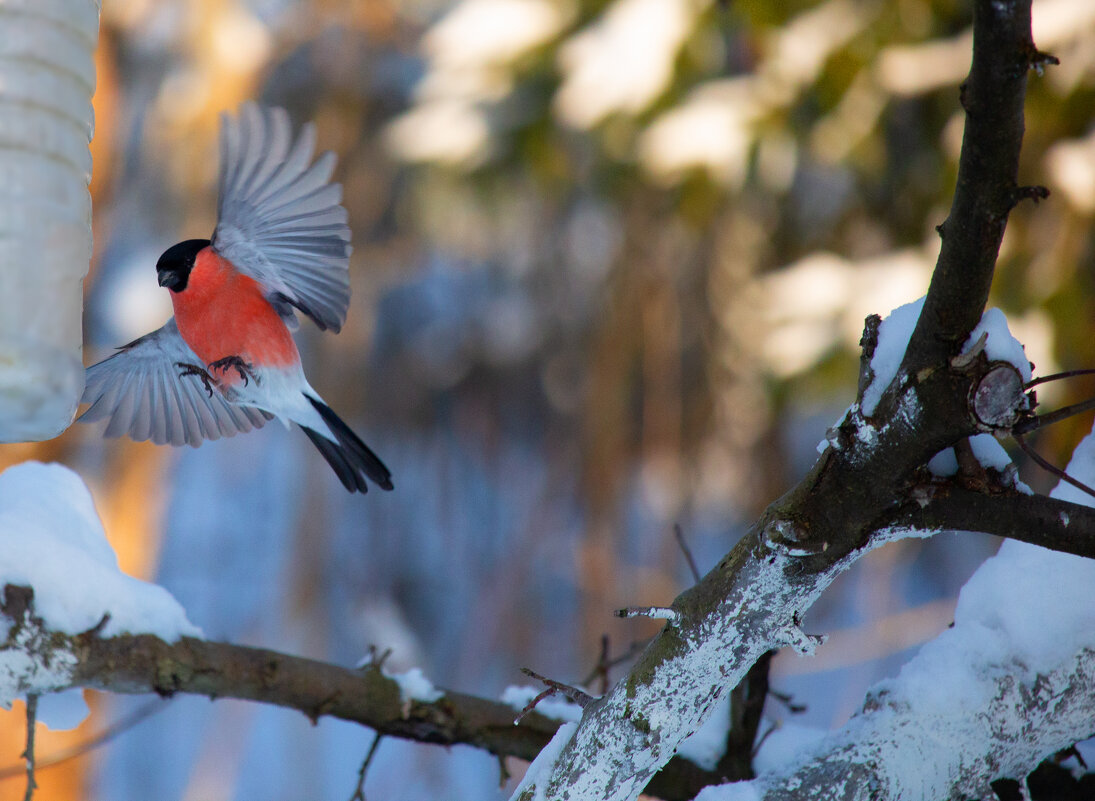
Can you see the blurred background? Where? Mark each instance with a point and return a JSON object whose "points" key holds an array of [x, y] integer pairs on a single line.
{"points": [[611, 264]]}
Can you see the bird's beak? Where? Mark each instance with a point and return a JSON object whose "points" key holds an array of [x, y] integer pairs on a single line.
{"points": [[165, 278]]}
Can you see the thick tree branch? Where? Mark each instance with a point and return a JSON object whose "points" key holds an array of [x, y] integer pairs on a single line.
{"points": [[1036, 519], [986, 191], [899, 748], [34, 659], [752, 601]]}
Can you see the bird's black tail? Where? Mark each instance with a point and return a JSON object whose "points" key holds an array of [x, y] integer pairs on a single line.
{"points": [[350, 457]]}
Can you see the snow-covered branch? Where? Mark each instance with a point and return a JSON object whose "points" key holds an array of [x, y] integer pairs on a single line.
{"points": [[35, 658], [1036, 519], [986, 190], [754, 598], [941, 746], [70, 618], [1010, 683]]}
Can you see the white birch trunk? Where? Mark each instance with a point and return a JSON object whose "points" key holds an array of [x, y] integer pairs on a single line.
{"points": [[47, 78]]}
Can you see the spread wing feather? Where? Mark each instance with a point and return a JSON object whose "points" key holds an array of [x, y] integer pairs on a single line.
{"points": [[280, 220], [139, 390]]}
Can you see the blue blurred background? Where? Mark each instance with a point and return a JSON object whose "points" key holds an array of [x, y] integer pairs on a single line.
{"points": [[611, 264]]}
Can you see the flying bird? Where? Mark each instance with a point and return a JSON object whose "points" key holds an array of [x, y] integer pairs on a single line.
{"points": [[226, 362]]}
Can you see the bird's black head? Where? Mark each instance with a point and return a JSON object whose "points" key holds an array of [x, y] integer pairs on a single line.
{"points": [[173, 268]]}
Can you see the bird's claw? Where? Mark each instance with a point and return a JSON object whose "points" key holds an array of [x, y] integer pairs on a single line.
{"points": [[245, 369], [193, 369]]}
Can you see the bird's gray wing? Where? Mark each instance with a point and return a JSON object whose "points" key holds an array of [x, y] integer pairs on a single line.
{"points": [[279, 218], [140, 391]]}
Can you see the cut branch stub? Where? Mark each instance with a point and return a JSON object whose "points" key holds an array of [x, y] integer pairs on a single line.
{"points": [[999, 399]]}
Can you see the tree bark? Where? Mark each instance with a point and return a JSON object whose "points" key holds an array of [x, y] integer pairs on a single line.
{"points": [[752, 601]]}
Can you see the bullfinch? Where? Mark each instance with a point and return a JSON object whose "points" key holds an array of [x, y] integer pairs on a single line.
{"points": [[226, 362]]}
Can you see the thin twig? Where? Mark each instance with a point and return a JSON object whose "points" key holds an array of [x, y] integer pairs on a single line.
{"points": [[762, 738], [359, 791], [28, 754], [1032, 423], [503, 772], [679, 534], [374, 659], [602, 670], [580, 697], [531, 705], [1029, 451], [788, 701], [1058, 376], [653, 612], [93, 742]]}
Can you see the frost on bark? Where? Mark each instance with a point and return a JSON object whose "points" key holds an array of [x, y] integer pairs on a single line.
{"points": [[896, 749], [47, 78], [870, 477]]}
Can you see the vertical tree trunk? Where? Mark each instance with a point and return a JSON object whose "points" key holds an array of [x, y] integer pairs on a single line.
{"points": [[47, 78]]}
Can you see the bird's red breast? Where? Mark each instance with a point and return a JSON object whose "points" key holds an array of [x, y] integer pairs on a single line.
{"points": [[222, 312]]}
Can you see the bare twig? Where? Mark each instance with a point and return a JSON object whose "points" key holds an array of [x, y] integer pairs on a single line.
{"points": [[1058, 376], [93, 742], [140, 664], [605, 664], [788, 701], [359, 791], [375, 658], [1048, 466], [28, 753], [1031, 423], [746, 711], [600, 670], [762, 738], [652, 612], [577, 696], [531, 705], [679, 534]]}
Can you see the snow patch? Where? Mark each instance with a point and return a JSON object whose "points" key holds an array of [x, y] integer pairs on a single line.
{"points": [[540, 769], [738, 791], [944, 464], [1000, 346], [986, 449], [414, 686], [789, 743], [893, 339], [51, 539], [1026, 610]]}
